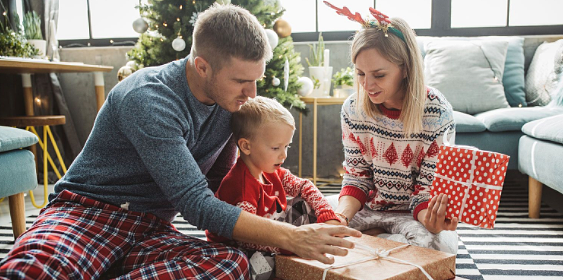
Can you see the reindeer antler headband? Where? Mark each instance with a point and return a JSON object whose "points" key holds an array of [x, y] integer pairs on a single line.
{"points": [[381, 21]]}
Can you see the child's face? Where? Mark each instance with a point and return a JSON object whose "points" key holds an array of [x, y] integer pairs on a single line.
{"points": [[268, 149], [380, 78]]}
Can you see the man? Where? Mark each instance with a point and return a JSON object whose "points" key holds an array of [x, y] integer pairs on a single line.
{"points": [[159, 145]]}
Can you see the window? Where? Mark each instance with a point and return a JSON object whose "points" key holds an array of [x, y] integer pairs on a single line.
{"points": [[479, 13], [101, 18], [537, 12], [418, 14], [97, 21]]}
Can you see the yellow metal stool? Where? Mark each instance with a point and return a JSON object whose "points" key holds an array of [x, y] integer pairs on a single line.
{"points": [[30, 122]]}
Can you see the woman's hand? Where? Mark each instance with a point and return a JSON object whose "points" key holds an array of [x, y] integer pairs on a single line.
{"points": [[434, 217]]}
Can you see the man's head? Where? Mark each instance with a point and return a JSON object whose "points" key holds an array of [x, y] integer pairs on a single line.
{"points": [[229, 53], [226, 31], [263, 130]]}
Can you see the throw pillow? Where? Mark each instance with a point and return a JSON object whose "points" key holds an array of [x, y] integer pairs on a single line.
{"points": [[468, 73], [542, 76], [513, 78]]}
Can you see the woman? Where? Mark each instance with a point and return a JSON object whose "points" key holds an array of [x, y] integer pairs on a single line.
{"points": [[391, 130]]}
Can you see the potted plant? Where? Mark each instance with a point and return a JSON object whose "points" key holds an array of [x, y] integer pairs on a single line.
{"points": [[343, 82], [319, 70], [13, 43], [32, 32]]}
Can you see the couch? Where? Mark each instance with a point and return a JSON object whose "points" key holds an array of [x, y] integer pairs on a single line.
{"points": [[17, 172], [530, 127]]}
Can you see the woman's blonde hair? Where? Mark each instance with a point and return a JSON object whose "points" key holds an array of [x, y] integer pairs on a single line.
{"points": [[405, 54], [256, 112], [225, 31]]}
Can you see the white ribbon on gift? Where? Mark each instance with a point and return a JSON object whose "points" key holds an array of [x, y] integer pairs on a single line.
{"points": [[469, 183], [376, 254]]}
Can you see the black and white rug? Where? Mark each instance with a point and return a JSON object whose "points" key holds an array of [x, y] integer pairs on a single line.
{"points": [[517, 248]]}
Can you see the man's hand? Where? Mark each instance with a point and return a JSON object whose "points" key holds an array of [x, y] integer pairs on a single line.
{"points": [[308, 241], [314, 241], [434, 217]]}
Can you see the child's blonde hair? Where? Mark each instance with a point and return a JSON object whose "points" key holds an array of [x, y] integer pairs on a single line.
{"points": [[225, 31], [256, 112], [405, 54]]}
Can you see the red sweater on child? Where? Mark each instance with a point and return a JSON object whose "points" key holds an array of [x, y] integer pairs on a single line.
{"points": [[242, 189]]}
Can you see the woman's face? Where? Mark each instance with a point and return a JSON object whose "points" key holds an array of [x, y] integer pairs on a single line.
{"points": [[381, 79]]}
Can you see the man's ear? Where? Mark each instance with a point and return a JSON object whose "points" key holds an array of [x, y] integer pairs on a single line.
{"points": [[244, 146], [202, 67]]}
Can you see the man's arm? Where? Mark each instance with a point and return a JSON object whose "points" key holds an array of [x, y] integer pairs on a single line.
{"points": [[308, 241]]}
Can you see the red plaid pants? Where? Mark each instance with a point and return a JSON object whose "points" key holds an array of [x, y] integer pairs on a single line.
{"points": [[76, 237]]}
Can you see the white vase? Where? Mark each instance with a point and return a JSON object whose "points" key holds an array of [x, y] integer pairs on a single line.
{"points": [[41, 45], [324, 76]]}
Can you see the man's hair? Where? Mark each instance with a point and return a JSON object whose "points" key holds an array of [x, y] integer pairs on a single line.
{"points": [[257, 111], [406, 55], [225, 31]]}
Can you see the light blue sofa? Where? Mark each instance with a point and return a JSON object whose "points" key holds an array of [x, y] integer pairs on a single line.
{"points": [[500, 130], [17, 172]]}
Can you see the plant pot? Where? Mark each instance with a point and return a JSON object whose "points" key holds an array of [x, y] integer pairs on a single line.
{"points": [[41, 45], [343, 91], [323, 75]]}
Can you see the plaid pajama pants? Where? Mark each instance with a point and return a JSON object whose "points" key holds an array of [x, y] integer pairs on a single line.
{"points": [[75, 237]]}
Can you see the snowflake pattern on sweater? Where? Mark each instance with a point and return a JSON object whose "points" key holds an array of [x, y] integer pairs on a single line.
{"points": [[386, 169], [267, 200]]}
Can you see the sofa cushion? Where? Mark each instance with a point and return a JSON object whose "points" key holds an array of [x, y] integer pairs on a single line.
{"points": [[15, 138], [543, 74], [467, 123], [468, 73], [513, 78], [512, 119], [550, 129]]}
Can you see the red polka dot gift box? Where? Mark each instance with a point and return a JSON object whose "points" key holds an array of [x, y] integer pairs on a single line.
{"points": [[472, 179]]}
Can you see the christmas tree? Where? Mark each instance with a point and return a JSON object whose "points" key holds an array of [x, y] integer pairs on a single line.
{"points": [[166, 27]]}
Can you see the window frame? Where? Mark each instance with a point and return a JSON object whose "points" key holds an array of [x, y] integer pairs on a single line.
{"points": [[440, 26]]}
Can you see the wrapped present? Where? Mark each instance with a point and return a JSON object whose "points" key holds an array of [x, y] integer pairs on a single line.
{"points": [[472, 179], [372, 258]]}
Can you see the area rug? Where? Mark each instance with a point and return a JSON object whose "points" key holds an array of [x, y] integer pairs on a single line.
{"points": [[517, 248]]}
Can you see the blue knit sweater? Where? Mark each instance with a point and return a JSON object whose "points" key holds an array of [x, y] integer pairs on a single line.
{"points": [[157, 148]]}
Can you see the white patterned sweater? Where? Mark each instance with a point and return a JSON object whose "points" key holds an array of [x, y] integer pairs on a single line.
{"points": [[386, 169]]}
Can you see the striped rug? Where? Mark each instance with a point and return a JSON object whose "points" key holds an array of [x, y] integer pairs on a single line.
{"points": [[517, 248]]}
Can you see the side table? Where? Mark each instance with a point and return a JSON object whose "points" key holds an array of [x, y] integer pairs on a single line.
{"points": [[316, 101]]}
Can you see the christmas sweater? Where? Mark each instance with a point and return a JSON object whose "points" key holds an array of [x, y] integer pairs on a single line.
{"points": [[243, 190], [385, 169]]}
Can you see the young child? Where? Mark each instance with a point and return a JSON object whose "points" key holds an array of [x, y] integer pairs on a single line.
{"points": [[263, 130]]}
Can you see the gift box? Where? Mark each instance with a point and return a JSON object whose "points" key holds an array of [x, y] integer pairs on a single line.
{"points": [[363, 264], [472, 179]]}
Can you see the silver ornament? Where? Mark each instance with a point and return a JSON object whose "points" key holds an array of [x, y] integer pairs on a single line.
{"points": [[276, 81], [179, 44], [140, 25]]}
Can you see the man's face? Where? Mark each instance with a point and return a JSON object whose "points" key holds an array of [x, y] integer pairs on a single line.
{"points": [[232, 85]]}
